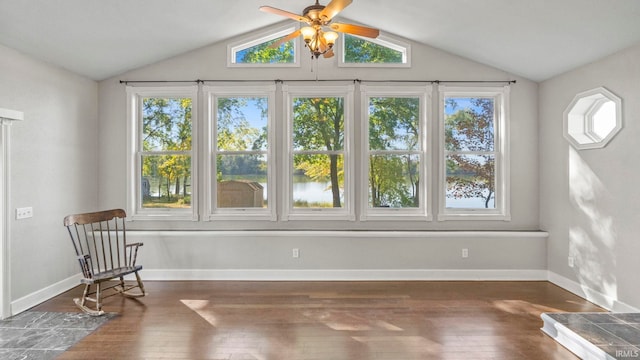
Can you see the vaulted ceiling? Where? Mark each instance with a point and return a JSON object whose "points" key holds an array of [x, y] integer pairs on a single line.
{"points": [[531, 38]]}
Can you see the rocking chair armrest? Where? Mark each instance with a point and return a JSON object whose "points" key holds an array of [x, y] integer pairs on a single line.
{"points": [[133, 252]]}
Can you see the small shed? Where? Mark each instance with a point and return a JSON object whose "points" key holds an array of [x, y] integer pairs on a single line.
{"points": [[240, 194]]}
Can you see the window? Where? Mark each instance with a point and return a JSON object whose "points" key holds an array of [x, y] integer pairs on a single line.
{"points": [[396, 166], [319, 173], [242, 157], [259, 50], [162, 162], [240, 139], [383, 51], [593, 118], [474, 171]]}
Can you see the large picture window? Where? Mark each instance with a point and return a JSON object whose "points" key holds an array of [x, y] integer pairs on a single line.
{"points": [[161, 143], [474, 157], [242, 157], [319, 162], [396, 165]]}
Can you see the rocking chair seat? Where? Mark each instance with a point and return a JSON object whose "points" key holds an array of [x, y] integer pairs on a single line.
{"points": [[111, 274]]}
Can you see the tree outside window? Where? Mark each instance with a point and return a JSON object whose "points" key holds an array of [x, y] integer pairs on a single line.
{"points": [[166, 152], [394, 152], [469, 127], [318, 152]]}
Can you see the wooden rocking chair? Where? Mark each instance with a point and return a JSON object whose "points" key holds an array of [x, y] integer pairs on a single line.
{"points": [[100, 242]]}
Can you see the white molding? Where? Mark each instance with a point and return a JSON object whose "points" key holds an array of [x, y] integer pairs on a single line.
{"points": [[339, 233], [596, 297], [28, 301], [7, 118], [344, 275], [8, 114]]}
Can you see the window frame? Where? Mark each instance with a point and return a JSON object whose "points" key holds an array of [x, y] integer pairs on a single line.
{"points": [[212, 212], [384, 40], [260, 38], [347, 212], [501, 152], [423, 212], [135, 211]]}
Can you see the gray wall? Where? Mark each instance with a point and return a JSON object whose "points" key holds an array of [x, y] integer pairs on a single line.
{"points": [[204, 254], [590, 198], [53, 165], [427, 63]]}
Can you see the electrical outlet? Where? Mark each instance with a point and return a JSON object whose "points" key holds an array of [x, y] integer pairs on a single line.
{"points": [[295, 253], [23, 213], [465, 253], [570, 261]]}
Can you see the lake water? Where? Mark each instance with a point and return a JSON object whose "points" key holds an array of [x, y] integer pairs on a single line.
{"points": [[321, 192]]}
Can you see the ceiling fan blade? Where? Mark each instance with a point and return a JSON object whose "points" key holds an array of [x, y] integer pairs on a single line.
{"points": [[284, 13], [285, 39], [333, 8], [355, 30]]}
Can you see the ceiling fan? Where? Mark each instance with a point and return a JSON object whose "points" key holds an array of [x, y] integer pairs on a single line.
{"points": [[318, 17]]}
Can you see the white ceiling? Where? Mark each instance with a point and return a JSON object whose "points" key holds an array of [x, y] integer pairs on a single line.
{"points": [[536, 39]]}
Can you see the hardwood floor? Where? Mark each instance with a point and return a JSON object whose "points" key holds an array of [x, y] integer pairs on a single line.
{"points": [[328, 321]]}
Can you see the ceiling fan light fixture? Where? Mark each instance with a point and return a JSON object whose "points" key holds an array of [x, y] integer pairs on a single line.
{"points": [[330, 37], [308, 33]]}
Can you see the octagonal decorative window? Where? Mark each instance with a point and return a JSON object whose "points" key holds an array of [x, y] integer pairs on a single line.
{"points": [[593, 118]]}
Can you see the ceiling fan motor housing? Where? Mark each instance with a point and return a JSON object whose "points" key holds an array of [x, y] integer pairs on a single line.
{"points": [[313, 12]]}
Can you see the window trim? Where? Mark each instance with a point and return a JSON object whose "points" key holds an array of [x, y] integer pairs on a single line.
{"points": [[262, 37], [423, 212], [346, 212], [212, 212], [135, 211], [384, 40], [502, 210]]}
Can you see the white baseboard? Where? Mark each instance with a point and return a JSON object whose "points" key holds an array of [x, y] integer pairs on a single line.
{"points": [[596, 297], [35, 298], [344, 275]]}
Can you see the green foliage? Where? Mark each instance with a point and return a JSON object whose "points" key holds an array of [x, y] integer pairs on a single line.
{"points": [[235, 133], [394, 125], [166, 126], [358, 50], [266, 54], [318, 125]]}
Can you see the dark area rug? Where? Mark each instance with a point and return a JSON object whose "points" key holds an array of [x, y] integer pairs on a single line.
{"points": [[45, 335]]}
